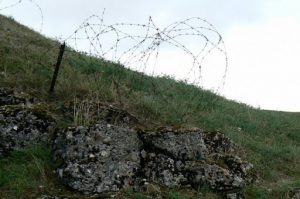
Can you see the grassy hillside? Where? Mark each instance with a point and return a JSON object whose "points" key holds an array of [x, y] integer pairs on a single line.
{"points": [[271, 140]]}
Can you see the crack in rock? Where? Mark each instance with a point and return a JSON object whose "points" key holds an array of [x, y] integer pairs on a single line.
{"points": [[107, 158], [194, 158]]}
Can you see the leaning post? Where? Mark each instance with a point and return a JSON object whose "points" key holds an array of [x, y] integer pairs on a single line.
{"points": [[58, 63]]}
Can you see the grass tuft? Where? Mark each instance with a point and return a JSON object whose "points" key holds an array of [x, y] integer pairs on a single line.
{"points": [[25, 171]]}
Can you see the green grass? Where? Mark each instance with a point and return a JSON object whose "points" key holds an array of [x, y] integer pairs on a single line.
{"points": [[176, 195], [25, 171], [270, 139]]}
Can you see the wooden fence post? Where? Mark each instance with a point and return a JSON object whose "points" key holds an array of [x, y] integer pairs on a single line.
{"points": [[59, 59]]}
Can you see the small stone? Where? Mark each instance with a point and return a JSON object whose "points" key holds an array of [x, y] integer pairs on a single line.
{"points": [[134, 157], [107, 140], [238, 182], [152, 155], [69, 135], [92, 156], [60, 173], [104, 153], [232, 196], [143, 154]]}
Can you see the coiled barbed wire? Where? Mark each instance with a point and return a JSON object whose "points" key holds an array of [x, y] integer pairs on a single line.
{"points": [[141, 48], [144, 45]]}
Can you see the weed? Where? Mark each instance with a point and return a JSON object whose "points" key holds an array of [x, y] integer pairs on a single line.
{"points": [[176, 195], [296, 183], [204, 189], [256, 192], [25, 170]]}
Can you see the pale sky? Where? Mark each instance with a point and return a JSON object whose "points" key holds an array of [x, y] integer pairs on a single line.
{"points": [[261, 38]]}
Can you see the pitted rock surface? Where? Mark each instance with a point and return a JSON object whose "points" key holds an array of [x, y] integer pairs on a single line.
{"points": [[217, 142], [194, 158], [183, 146], [106, 158], [8, 97], [164, 170], [294, 194], [102, 158], [49, 197], [21, 126], [234, 196]]}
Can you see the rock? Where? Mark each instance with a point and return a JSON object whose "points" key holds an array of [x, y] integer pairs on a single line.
{"points": [[217, 142], [294, 194], [106, 158], [183, 146], [194, 158], [21, 126], [161, 168], [49, 197], [91, 164], [149, 190], [11, 97], [234, 196]]}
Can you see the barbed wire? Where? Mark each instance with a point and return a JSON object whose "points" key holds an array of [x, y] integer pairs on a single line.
{"points": [[143, 46], [139, 47]]}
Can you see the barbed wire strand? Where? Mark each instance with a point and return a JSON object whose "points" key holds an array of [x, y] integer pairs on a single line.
{"points": [[143, 47]]}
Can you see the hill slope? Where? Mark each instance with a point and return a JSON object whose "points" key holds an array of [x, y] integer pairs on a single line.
{"points": [[271, 140]]}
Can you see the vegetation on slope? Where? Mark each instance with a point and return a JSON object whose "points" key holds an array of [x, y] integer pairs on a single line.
{"points": [[271, 140]]}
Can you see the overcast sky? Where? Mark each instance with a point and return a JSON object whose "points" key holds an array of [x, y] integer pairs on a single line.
{"points": [[261, 37]]}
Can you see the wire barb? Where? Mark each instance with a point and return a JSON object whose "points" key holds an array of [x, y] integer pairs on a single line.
{"points": [[139, 46]]}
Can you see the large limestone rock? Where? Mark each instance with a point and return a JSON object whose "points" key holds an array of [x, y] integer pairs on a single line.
{"points": [[21, 127], [106, 158], [102, 158], [194, 158], [7, 98]]}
